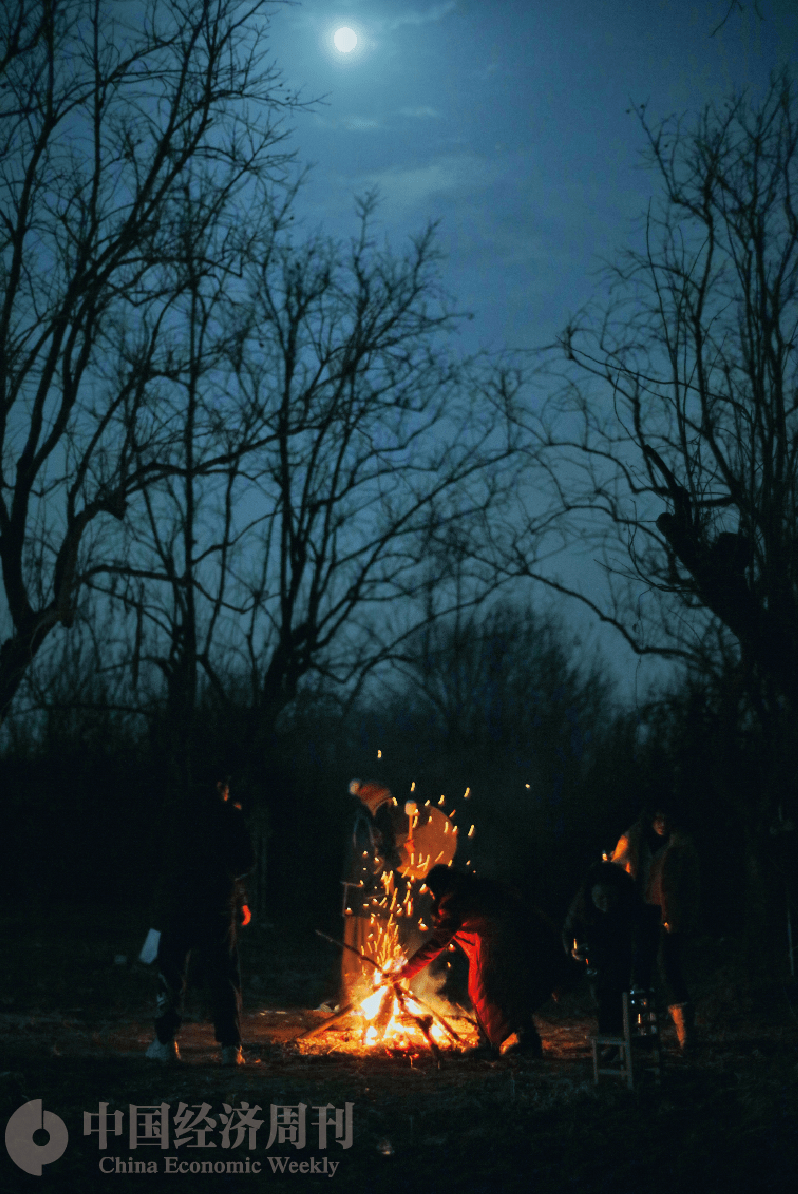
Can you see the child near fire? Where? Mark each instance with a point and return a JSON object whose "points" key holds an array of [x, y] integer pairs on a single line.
{"points": [[599, 929]]}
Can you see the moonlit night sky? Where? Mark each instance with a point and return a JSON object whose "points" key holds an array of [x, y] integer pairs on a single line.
{"points": [[509, 121]]}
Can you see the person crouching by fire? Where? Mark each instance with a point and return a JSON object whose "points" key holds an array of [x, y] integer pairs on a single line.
{"points": [[200, 899], [372, 854], [514, 959]]}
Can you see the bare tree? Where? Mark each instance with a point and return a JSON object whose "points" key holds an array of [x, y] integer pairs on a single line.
{"points": [[169, 570], [695, 395], [104, 107], [388, 453], [736, 7], [683, 392], [374, 456]]}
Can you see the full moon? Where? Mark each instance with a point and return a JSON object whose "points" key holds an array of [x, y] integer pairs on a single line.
{"points": [[345, 40]]}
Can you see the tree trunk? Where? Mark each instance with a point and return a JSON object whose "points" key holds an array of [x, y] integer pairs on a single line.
{"points": [[256, 886], [16, 655]]}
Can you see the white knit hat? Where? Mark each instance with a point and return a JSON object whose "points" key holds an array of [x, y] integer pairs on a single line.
{"points": [[373, 795]]}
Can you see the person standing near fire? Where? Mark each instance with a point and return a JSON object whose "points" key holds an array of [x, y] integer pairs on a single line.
{"points": [[599, 929], [372, 854], [662, 859], [199, 902], [514, 958]]}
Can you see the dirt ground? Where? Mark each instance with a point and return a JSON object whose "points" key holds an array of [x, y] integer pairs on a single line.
{"points": [[75, 1019]]}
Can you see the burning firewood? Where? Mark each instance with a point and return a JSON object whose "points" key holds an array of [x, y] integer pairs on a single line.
{"points": [[384, 1013], [328, 1023], [387, 1004]]}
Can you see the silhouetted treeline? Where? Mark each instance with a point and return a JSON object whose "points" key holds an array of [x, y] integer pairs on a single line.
{"points": [[502, 704]]}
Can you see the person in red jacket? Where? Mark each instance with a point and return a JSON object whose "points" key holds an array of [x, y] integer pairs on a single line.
{"points": [[513, 956]]}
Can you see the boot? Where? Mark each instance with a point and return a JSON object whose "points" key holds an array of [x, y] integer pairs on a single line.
{"points": [[232, 1055], [481, 1052], [683, 1015], [484, 1050], [527, 1043], [163, 1051]]}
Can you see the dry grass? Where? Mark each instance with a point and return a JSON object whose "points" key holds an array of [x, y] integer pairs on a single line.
{"points": [[75, 1023]]}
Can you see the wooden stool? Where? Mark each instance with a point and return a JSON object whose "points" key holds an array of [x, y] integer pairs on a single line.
{"points": [[629, 1045]]}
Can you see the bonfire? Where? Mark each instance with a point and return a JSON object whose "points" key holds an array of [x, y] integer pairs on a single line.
{"points": [[392, 1019], [385, 1015]]}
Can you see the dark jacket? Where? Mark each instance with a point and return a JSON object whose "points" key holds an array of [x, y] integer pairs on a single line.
{"points": [[607, 934], [206, 854], [371, 853], [513, 954]]}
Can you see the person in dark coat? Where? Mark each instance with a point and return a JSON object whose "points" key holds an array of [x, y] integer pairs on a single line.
{"points": [[662, 860], [599, 929], [199, 902], [514, 961], [372, 856]]}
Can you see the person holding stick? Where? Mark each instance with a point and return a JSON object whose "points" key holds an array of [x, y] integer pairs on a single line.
{"points": [[514, 961]]}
